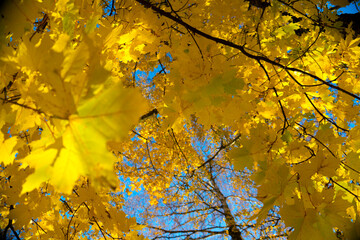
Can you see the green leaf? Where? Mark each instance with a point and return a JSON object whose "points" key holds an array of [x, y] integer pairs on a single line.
{"points": [[232, 83], [69, 23], [91, 24], [286, 137], [241, 158]]}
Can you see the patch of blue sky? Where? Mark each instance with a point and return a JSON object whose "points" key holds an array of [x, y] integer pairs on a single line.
{"points": [[128, 188], [213, 222], [169, 56], [66, 213], [107, 8], [89, 233], [356, 102], [351, 8], [351, 124], [146, 79], [136, 137], [203, 148], [136, 195], [148, 75]]}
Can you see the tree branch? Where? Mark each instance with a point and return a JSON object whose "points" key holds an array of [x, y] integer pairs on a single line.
{"points": [[148, 4], [217, 152]]}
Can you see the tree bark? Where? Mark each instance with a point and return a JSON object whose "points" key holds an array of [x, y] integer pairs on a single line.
{"points": [[234, 232]]}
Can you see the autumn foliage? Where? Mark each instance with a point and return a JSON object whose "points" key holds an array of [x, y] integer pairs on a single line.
{"points": [[232, 120]]}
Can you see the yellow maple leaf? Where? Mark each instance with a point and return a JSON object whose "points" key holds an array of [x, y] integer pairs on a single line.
{"points": [[107, 116], [61, 43], [83, 151], [40, 160], [6, 149]]}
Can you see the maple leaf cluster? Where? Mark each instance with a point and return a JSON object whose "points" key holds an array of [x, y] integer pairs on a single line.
{"points": [[233, 119]]}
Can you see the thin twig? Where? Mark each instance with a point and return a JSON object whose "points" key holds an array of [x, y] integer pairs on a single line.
{"points": [[37, 224], [222, 147], [356, 196], [192, 36], [323, 116]]}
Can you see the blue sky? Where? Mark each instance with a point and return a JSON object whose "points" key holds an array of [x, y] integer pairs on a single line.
{"points": [[349, 9]]}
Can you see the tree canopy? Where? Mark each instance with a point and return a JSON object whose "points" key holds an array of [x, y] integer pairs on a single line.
{"points": [[179, 119]]}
